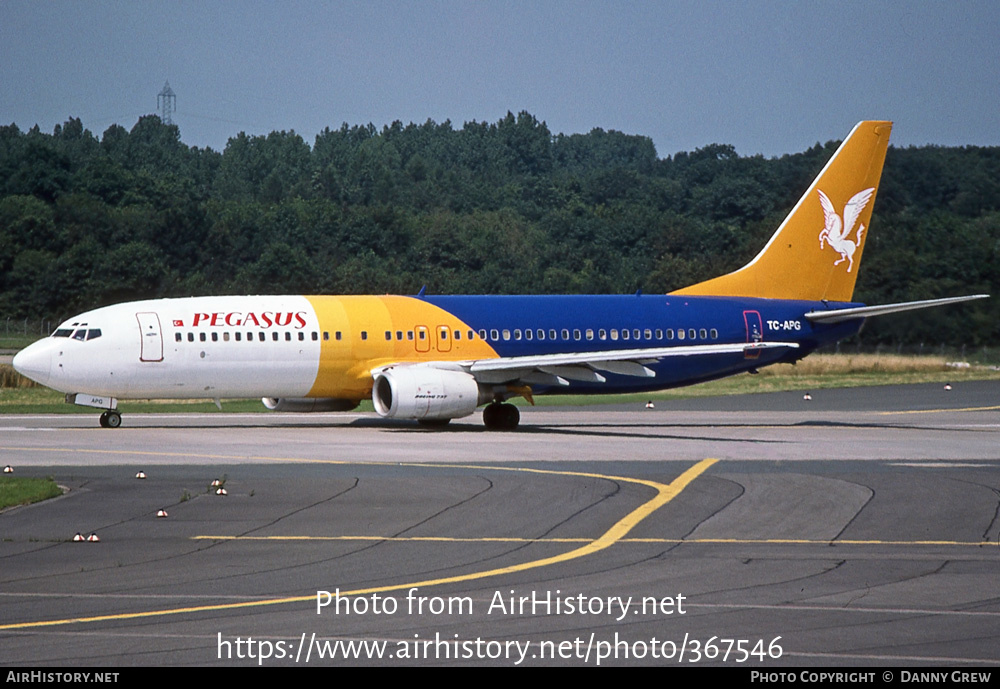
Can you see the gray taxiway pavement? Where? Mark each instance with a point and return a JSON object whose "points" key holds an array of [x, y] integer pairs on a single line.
{"points": [[860, 528]]}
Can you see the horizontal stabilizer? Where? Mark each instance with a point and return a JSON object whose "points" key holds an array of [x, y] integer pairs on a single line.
{"points": [[838, 315]]}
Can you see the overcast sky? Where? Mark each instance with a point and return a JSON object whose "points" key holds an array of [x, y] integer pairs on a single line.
{"points": [[769, 77]]}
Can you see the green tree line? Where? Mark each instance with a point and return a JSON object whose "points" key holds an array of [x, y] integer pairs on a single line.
{"points": [[505, 207]]}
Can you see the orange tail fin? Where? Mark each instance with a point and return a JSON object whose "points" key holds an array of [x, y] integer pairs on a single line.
{"points": [[815, 252]]}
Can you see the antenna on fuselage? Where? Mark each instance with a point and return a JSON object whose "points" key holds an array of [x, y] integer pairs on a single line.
{"points": [[423, 290]]}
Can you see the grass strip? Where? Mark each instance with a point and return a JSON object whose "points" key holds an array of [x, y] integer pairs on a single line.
{"points": [[16, 490]]}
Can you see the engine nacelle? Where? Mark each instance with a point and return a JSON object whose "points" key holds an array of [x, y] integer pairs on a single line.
{"points": [[308, 404], [425, 393]]}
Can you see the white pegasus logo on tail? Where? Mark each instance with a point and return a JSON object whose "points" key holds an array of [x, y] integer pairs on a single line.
{"points": [[836, 231]]}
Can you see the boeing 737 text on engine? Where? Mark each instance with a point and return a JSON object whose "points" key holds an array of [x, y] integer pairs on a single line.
{"points": [[437, 358]]}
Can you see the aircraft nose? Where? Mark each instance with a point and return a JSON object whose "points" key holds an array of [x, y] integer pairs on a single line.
{"points": [[35, 362]]}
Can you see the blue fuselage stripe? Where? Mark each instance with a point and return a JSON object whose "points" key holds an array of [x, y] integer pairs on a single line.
{"points": [[713, 320]]}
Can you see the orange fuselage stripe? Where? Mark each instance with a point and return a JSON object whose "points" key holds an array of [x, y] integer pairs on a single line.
{"points": [[363, 321]]}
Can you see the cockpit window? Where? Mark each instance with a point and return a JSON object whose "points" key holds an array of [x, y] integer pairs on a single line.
{"points": [[80, 334]]}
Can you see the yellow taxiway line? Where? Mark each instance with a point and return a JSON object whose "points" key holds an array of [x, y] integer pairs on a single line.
{"points": [[664, 494], [938, 411]]}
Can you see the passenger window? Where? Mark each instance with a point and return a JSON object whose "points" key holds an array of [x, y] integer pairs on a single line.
{"points": [[215, 337], [635, 334], [482, 334], [649, 334], [680, 333], [202, 337], [565, 334], [494, 334], [659, 333], [576, 333], [315, 336], [670, 333], [517, 334], [528, 334], [239, 336], [541, 334], [506, 335], [625, 334], [260, 336], [691, 334], [703, 334], [602, 334], [409, 335], [714, 334], [274, 336], [288, 336], [326, 336], [178, 337], [388, 335], [338, 336], [590, 333], [225, 336]]}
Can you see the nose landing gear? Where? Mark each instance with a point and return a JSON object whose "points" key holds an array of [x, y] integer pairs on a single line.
{"points": [[112, 418]]}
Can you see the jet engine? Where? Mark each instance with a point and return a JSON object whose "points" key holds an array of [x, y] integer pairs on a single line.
{"points": [[426, 394], [308, 404]]}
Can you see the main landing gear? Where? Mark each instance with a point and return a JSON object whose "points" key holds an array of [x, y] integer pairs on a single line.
{"points": [[112, 418], [499, 416]]}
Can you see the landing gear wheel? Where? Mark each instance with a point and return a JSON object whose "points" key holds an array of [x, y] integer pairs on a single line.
{"points": [[501, 417], [111, 419], [511, 417], [490, 415]]}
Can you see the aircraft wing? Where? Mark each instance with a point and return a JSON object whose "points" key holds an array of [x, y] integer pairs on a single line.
{"points": [[559, 369]]}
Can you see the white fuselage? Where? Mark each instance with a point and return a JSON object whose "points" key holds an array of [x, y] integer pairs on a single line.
{"points": [[177, 348]]}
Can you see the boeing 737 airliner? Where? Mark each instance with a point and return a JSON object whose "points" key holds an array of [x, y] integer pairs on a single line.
{"points": [[437, 358]]}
